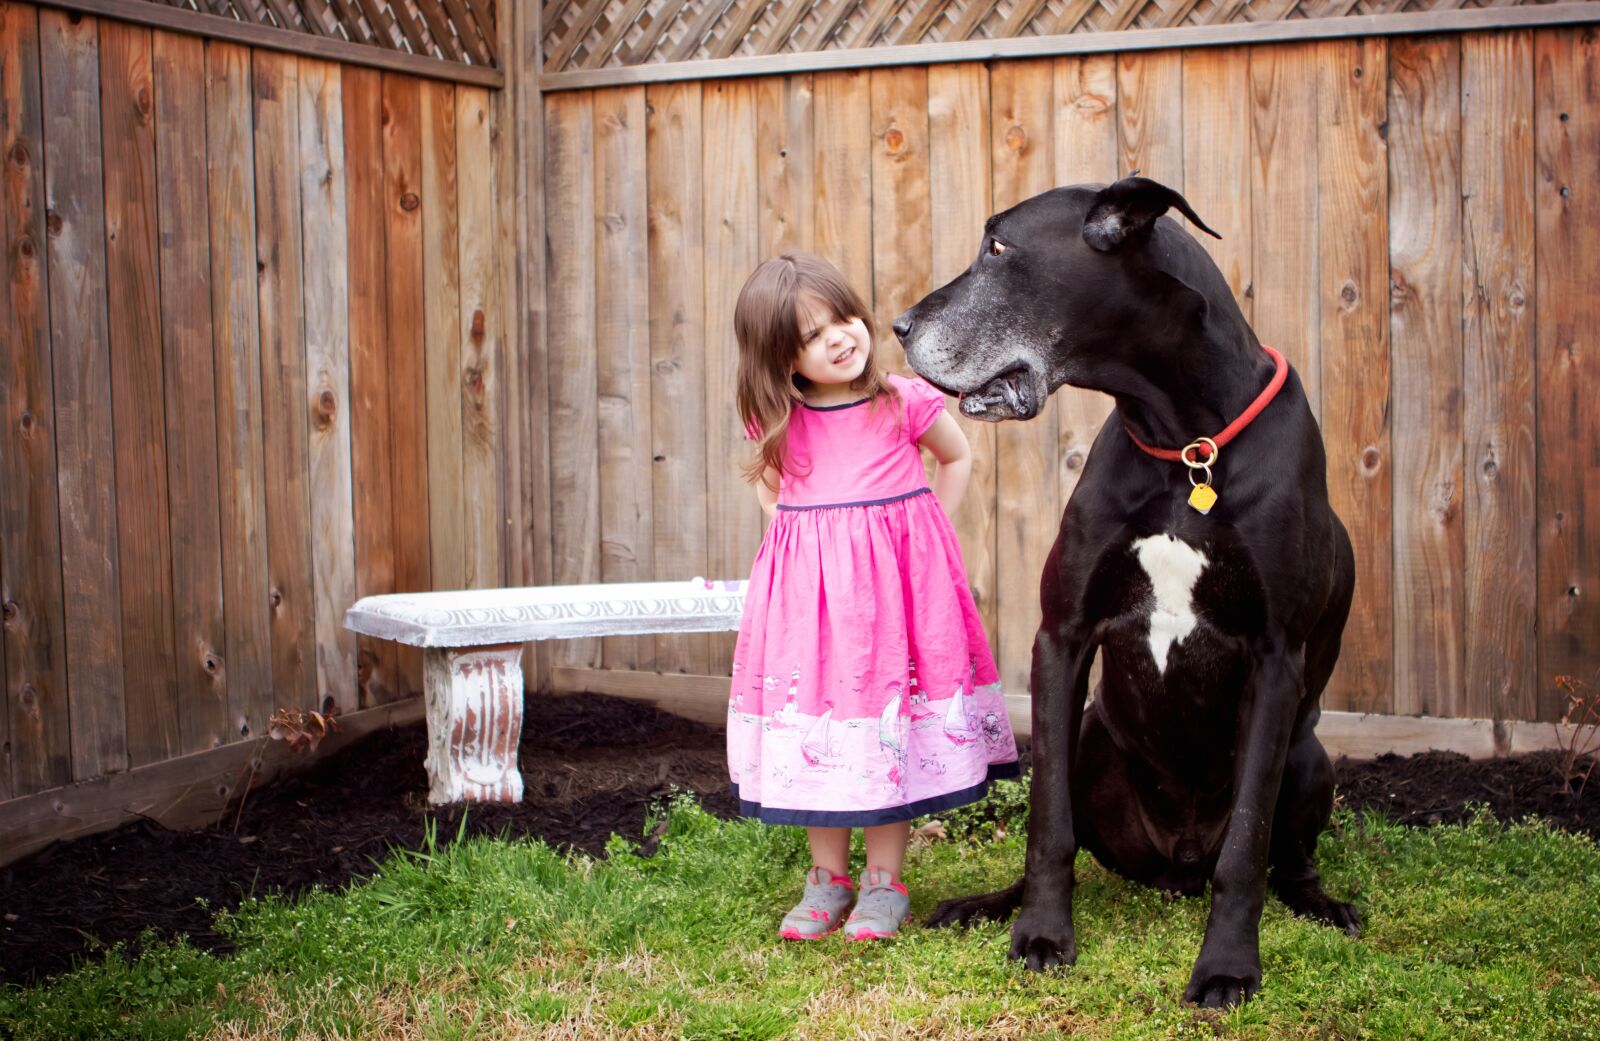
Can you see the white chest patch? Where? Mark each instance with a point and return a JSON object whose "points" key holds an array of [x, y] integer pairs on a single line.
{"points": [[1174, 567]]}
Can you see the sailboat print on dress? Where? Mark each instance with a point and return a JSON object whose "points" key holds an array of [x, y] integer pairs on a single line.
{"points": [[822, 748], [890, 738], [958, 723], [919, 696]]}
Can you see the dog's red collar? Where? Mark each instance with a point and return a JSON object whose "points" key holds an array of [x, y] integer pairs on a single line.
{"points": [[1206, 447]]}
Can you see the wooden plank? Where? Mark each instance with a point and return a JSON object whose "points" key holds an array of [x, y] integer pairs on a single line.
{"points": [[275, 113], [190, 791], [788, 20], [404, 315], [785, 164], [596, 58], [323, 229], [86, 471], [677, 362], [1283, 193], [189, 366], [482, 342], [730, 213], [902, 230], [917, 26], [1216, 161], [291, 41], [710, 13], [960, 194], [1085, 152], [467, 32], [371, 436], [809, 58], [1022, 149], [843, 178], [133, 296], [1352, 229], [871, 24], [237, 342], [1425, 347], [575, 33], [31, 599], [1567, 199], [645, 45], [574, 424], [745, 15], [1150, 115], [622, 349], [1497, 226], [442, 338]]}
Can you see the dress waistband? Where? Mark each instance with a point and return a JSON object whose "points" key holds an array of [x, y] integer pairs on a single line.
{"points": [[924, 490]]}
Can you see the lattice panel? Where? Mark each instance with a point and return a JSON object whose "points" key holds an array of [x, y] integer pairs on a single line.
{"points": [[591, 34], [451, 30]]}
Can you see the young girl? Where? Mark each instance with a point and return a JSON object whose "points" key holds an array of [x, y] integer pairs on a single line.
{"points": [[864, 693]]}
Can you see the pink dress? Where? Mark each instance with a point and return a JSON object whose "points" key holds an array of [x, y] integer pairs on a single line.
{"points": [[863, 689]]}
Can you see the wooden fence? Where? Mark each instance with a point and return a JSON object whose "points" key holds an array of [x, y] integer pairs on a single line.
{"points": [[254, 312], [1414, 221]]}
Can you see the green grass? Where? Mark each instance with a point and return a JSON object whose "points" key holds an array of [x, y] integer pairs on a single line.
{"points": [[1477, 931]]}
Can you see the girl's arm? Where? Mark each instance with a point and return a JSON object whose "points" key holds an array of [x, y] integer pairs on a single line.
{"points": [[767, 492], [949, 446]]}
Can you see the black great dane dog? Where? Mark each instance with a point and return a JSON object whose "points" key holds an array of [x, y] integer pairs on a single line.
{"points": [[1217, 630]]}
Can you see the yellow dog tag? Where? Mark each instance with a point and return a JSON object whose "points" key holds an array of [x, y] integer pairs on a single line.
{"points": [[1202, 497]]}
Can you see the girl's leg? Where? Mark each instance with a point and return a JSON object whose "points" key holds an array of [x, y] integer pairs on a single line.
{"points": [[830, 848], [886, 847]]}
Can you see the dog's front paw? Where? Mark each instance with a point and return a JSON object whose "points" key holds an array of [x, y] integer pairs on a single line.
{"points": [[1043, 940], [969, 909], [1217, 984]]}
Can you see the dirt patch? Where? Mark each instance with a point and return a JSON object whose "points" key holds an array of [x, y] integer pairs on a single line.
{"points": [[590, 769]]}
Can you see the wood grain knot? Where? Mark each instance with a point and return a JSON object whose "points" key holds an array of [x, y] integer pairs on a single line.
{"points": [[1349, 295], [477, 326], [322, 417], [210, 664], [894, 140], [141, 101], [30, 698], [1016, 138], [52, 222], [25, 247], [1370, 458], [9, 612], [19, 154], [1075, 460], [275, 597], [26, 424], [409, 201]]}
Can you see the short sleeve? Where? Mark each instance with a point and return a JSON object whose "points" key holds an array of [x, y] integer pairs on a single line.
{"points": [[924, 404]]}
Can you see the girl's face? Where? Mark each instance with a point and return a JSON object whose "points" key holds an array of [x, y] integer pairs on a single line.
{"points": [[831, 351]]}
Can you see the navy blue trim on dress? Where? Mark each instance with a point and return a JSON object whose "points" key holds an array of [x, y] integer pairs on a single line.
{"points": [[865, 502], [887, 815], [834, 408]]}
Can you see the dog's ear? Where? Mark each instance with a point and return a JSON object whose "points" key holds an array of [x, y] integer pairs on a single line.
{"points": [[1128, 209]]}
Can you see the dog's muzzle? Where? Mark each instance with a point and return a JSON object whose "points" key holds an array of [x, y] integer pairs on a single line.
{"points": [[1011, 395]]}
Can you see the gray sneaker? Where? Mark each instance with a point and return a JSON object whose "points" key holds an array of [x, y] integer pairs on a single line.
{"points": [[880, 909], [821, 908]]}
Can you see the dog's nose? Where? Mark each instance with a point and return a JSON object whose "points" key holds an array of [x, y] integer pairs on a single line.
{"points": [[902, 325]]}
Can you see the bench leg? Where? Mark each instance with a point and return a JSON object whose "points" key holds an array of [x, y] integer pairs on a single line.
{"points": [[474, 706]]}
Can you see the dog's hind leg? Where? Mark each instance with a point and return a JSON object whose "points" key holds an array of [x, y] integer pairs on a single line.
{"points": [[1305, 801], [969, 909]]}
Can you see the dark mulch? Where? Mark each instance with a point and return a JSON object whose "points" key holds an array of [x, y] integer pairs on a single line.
{"points": [[590, 769]]}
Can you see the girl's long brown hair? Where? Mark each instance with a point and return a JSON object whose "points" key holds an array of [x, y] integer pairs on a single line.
{"points": [[766, 321]]}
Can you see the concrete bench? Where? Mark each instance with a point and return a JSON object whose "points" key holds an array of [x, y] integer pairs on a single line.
{"points": [[472, 659]]}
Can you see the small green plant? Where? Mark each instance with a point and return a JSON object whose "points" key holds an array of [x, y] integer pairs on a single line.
{"points": [[1580, 741]]}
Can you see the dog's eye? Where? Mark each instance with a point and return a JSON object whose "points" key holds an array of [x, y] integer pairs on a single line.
{"points": [[996, 247]]}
